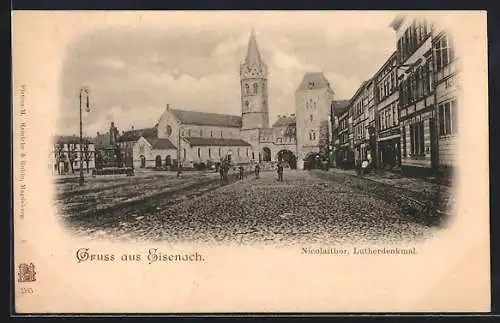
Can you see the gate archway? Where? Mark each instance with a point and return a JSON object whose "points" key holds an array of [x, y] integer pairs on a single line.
{"points": [[143, 161], [288, 158], [312, 160]]}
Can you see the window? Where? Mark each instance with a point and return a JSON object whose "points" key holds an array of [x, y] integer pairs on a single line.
{"points": [[238, 152], [247, 152], [209, 153], [311, 118], [394, 115], [221, 133], [201, 132], [199, 152], [220, 153], [444, 52], [253, 155], [403, 135], [255, 88], [189, 133], [211, 133], [247, 104], [184, 153], [312, 135], [263, 88], [417, 139], [448, 118], [247, 89]]}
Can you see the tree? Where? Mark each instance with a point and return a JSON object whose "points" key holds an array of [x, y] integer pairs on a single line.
{"points": [[290, 131], [72, 155], [87, 154], [60, 156]]}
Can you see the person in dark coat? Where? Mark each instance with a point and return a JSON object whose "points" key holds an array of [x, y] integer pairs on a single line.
{"points": [[241, 171], [221, 172], [257, 170], [280, 172]]}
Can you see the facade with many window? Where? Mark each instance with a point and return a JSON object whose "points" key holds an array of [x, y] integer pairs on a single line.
{"points": [[388, 131], [360, 123], [446, 76], [417, 117]]}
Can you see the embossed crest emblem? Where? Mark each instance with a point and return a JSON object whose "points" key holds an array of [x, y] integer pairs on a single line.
{"points": [[26, 273]]}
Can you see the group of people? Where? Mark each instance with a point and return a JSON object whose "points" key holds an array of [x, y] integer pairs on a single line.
{"points": [[225, 166]]}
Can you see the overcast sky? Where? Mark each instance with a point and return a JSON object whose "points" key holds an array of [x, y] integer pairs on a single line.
{"points": [[133, 71]]}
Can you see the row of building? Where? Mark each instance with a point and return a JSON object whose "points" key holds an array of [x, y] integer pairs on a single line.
{"points": [[405, 116]]}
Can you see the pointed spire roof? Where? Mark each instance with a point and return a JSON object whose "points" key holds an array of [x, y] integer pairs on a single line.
{"points": [[253, 54]]}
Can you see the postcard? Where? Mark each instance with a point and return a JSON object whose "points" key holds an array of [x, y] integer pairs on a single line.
{"points": [[250, 162]]}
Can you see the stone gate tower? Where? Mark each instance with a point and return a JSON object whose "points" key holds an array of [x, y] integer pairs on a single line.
{"points": [[254, 89]]}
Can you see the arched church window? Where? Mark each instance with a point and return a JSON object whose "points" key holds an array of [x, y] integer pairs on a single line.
{"points": [[247, 89], [199, 152], [255, 88]]}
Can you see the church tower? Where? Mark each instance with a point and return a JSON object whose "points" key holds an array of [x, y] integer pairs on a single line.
{"points": [[254, 100]]}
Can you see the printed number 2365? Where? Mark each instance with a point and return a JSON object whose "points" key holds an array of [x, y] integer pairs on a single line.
{"points": [[26, 290]]}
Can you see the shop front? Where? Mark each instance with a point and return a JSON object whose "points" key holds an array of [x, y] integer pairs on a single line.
{"points": [[418, 149], [389, 152]]}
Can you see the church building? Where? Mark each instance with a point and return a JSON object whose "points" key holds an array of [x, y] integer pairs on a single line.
{"points": [[194, 137]]}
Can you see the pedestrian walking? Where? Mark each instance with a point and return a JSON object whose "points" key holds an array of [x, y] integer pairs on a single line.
{"points": [[221, 172], [280, 172], [241, 172], [257, 170]]}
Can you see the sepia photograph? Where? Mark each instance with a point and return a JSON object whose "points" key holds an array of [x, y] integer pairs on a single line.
{"points": [[335, 134]]}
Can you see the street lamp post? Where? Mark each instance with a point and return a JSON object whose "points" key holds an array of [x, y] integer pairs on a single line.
{"points": [[84, 99], [179, 164]]}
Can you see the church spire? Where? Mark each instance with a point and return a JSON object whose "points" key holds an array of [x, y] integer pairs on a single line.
{"points": [[253, 54]]}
